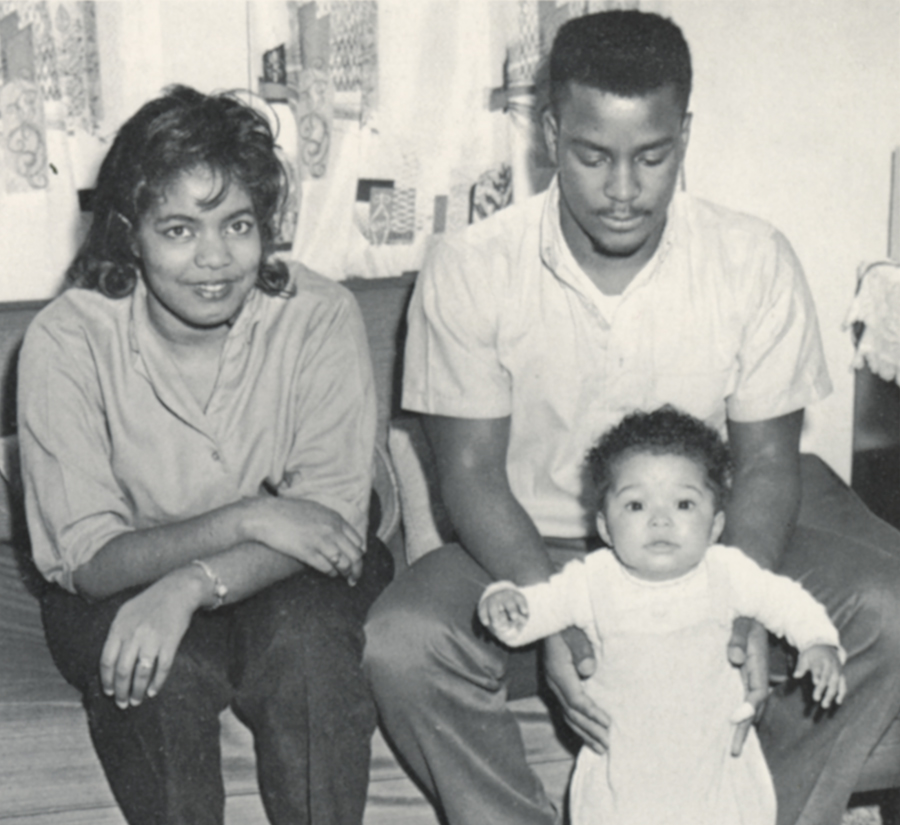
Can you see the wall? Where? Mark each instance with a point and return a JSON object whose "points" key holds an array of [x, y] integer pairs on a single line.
{"points": [[795, 119], [148, 45]]}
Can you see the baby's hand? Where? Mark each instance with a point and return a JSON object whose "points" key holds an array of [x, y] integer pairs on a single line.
{"points": [[823, 664], [504, 613]]}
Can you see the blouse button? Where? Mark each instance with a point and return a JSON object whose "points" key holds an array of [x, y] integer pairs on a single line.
{"points": [[216, 456]]}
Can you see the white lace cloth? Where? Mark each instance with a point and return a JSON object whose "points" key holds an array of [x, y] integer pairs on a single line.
{"points": [[877, 306]]}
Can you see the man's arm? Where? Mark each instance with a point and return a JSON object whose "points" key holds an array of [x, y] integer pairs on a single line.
{"points": [[498, 533], [471, 462], [760, 517], [765, 495]]}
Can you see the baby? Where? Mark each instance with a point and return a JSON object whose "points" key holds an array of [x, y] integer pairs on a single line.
{"points": [[658, 608]]}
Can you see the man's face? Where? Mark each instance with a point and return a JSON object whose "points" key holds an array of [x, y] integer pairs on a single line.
{"points": [[618, 160]]}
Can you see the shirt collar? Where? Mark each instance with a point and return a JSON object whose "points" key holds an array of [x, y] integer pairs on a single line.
{"points": [[558, 258]]}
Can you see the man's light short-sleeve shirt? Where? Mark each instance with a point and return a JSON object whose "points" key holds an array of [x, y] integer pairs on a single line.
{"points": [[503, 322], [113, 441]]}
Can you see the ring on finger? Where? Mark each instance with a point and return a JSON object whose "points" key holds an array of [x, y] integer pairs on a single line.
{"points": [[145, 662]]}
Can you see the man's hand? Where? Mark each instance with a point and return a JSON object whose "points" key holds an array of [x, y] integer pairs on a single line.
{"points": [[309, 532], [568, 660], [748, 649], [144, 637]]}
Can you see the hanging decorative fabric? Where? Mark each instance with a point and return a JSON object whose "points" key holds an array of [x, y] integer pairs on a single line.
{"points": [[24, 137], [332, 72], [51, 115], [54, 45], [874, 317]]}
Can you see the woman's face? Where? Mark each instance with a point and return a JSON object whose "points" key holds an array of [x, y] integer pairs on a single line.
{"points": [[199, 261]]}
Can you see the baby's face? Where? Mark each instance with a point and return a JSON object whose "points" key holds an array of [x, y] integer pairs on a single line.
{"points": [[659, 515]]}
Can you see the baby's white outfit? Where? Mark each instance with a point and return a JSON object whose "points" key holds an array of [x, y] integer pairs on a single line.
{"points": [[664, 679]]}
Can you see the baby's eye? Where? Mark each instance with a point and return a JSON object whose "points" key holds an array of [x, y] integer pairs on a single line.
{"points": [[686, 504], [634, 506]]}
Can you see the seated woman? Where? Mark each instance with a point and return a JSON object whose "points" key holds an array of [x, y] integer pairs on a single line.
{"points": [[197, 427]]}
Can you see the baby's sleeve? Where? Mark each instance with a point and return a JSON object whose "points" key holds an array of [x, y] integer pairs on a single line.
{"points": [[782, 605], [561, 602]]}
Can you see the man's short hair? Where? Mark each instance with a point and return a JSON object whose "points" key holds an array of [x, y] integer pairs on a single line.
{"points": [[665, 431], [625, 52]]}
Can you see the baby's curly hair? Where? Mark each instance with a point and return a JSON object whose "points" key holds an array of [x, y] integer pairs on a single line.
{"points": [[666, 431]]}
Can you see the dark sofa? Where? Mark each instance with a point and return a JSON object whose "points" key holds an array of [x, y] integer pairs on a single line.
{"points": [[48, 771]]}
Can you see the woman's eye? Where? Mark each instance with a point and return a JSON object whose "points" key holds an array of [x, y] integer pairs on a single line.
{"points": [[177, 232], [241, 227]]}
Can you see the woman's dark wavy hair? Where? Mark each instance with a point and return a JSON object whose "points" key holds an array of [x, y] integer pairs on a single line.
{"points": [[666, 431], [181, 130], [627, 52]]}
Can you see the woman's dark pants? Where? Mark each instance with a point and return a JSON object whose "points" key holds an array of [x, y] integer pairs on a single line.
{"points": [[287, 660]]}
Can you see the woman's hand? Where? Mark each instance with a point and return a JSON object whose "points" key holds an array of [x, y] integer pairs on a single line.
{"points": [[568, 660], [309, 532], [144, 637]]}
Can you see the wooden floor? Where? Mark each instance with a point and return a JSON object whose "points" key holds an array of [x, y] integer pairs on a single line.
{"points": [[50, 776]]}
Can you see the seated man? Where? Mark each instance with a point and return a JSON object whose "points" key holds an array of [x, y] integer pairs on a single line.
{"points": [[531, 334]]}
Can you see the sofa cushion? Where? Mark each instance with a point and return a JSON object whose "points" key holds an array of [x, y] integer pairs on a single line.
{"points": [[382, 303], [387, 489], [426, 524], [12, 514], [28, 674]]}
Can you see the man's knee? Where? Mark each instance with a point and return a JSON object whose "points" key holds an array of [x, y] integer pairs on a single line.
{"points": [[424, 627], [873, 622], [858, 581], [400, 641], [407, 649]]}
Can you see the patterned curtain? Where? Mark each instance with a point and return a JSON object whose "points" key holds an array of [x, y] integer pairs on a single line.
{"points": [[50, 80], [49, 98], [403, 121]]}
